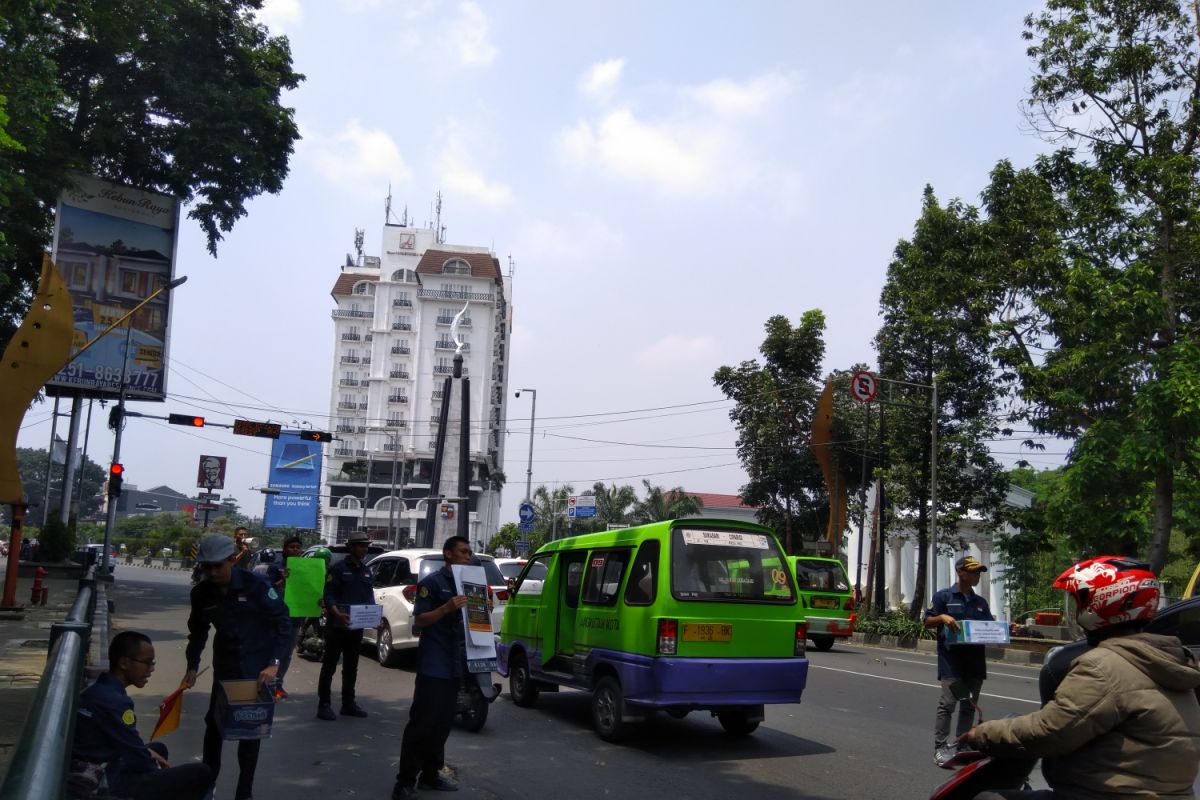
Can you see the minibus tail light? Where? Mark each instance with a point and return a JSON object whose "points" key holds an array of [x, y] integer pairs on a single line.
{"points": [[849, 604], [668, 641], [801, 637], [502, 595]]}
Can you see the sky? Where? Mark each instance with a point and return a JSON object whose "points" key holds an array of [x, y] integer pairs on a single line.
{"points": [[662, 178]]}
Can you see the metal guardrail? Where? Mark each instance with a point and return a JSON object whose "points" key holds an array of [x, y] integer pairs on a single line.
{"points": [[38, 766]]}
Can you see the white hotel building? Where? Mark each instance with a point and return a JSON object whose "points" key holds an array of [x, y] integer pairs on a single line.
{"points": [[392, 353]]}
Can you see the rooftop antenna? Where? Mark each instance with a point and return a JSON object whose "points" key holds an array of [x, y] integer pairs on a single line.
{"points": [[404, 222], [387, 206], [512, 266], [358, 245], [438, 230]]}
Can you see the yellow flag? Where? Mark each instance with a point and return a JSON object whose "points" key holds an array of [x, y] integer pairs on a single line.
{"points": [[169, 712]]}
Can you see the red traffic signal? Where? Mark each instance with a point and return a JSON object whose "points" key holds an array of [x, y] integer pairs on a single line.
{"points": [[185, 419], [116, 476], [116, 469]]}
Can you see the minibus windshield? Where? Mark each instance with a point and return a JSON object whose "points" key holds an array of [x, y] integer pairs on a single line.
{"points": [[827, 576], [716, 565]]}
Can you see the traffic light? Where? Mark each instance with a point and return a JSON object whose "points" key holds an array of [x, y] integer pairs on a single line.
{"points": [[317, 436], [185, 419], [116, 475], [115, 415]]}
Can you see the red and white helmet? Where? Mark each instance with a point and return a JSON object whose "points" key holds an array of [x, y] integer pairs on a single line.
{"points": [[1109, 590]]}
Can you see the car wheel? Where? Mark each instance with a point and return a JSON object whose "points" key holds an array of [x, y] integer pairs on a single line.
{"points": [[474, 711], [822, 641], [388, 657], [608, 709], [520, 684], [735, 722]]}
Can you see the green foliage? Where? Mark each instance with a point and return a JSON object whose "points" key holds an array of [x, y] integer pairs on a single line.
{"points": [[56, 541], [31, 465], [182, 97], [659, 505], [893, 623], [509, 535]]}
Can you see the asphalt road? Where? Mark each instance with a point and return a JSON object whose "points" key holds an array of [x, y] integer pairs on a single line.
{"points": [[863, 730]]}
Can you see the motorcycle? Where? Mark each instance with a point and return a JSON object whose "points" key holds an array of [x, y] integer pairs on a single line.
{"points": [[310, 644], [475, 694]]}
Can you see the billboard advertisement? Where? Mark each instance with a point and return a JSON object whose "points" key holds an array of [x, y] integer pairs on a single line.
{"points": [[211, 473], [296, 475], [115, 245]]}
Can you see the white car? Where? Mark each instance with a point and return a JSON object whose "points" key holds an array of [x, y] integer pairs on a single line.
{"points": [[511, 569], [395, 575]]}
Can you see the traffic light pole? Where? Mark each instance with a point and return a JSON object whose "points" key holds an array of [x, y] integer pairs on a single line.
{"points": [[111, 517]]}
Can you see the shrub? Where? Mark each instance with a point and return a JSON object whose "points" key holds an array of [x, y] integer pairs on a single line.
{"points": [[893, 623]]}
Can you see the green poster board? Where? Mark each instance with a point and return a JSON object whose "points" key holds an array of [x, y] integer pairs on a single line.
{"points": [[305, 586]]}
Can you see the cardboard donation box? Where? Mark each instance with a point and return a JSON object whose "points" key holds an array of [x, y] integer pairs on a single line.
{"points": [[243, 710], [977, 631]]}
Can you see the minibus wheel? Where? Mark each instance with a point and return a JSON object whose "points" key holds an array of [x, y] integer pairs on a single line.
{"points": [[822, 641], [735, 722], [524, 691], [608, 708]]}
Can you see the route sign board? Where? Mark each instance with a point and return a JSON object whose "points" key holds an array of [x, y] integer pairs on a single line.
{"points": [[581, 506], [863, 386], [526, 512], [522, 547], [525, 527]]}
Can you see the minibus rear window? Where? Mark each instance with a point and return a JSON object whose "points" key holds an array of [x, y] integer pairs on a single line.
{"points": [[824, 576], [716, 565]]}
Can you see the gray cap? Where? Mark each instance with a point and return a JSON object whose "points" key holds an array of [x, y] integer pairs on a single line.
{"points": [[213, 548]]}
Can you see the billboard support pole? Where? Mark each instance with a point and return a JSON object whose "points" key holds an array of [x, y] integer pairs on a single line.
{"points": [[68, 487], [49, 464], [87, 432]]}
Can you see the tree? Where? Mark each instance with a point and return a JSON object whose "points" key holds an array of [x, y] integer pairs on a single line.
{"points": [[181, 97], [508, 536], [614, 505], [1098, 280], [773, 411], [550, 507], [31, 465], [937, 327], [659, 505]]}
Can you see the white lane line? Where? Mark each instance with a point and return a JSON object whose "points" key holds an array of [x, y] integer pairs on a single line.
{"points": [[990, 672], [937, 686]]}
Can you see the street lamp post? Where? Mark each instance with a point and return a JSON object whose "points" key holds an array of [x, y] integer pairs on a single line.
{"points": [[529, 465]]}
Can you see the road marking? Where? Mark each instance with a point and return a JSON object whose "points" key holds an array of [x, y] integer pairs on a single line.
{"points": [[990, 672], [937, 686]]}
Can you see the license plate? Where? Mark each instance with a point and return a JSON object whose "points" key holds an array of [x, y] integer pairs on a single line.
{"points": [[705, 632], [824, 602]]}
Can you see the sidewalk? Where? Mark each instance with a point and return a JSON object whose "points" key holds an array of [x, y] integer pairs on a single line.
{"points": [[24, 642]]}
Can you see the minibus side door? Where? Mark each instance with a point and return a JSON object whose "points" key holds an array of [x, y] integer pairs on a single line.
{"points": [[571, 567]]}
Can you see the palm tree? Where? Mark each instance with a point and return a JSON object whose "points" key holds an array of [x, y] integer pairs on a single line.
{"points": [[613, 505], [662, 505], [550, 505]]}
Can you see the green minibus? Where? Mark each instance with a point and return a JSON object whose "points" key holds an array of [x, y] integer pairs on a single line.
{"points": [[675, 616], [826, 597]]}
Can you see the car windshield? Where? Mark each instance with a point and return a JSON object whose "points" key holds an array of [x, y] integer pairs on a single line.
{"points": [[821, 575], [717, 565], [512, 569], [432, 563]]}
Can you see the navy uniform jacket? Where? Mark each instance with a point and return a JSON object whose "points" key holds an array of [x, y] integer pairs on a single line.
{"points": [[442, 652], [347, 585], [251, 621], [106, 731], [960, 660]]}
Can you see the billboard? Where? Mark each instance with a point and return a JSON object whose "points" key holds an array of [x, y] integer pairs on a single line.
{"points": [[296, 473], [115, 245], [211, 473]]}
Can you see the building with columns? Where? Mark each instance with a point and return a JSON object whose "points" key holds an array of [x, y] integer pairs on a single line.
{"points": [[392, 351]]}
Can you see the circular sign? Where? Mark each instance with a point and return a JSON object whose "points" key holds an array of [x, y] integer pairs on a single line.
{"points": [[863, 386], [526, 512]]}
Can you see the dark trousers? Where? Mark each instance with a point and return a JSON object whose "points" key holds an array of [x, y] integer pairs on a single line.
{"points": [[247, 753], [344, 644], [185, 782], [423, 749], [286, 661]]}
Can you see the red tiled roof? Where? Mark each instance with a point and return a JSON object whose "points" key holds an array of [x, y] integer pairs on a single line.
{"points": [[711, 500], [345, 282], [483, 265]]}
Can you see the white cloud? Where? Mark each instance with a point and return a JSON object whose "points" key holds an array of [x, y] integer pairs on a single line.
{"points": [[357, 156], [279, 15], [460, 177], [602, 78], [673, 157], [469, 36], [675, 351], [725, 96]]}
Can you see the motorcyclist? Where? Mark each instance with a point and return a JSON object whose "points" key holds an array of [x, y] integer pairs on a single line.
{"points": [[310, 643], [1125, 720]]}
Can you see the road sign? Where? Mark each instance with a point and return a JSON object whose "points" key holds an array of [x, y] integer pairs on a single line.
{"points": [[207, 507], [526, 512], [525, 527], [863, 386], [522, 547], [582, 506]]}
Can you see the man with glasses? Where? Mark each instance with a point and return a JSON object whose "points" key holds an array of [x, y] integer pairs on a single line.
{"points": [[252, 629], [106, 733]]}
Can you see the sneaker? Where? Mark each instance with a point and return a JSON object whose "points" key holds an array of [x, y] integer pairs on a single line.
{"points": [[438, 784], [281, 694], [943, 755], [399, 792], [325, 711], [353, 710]]}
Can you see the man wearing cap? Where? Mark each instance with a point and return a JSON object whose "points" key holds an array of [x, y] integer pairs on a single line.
{"points": [[961, 664], [251, 623], [348, 583]]}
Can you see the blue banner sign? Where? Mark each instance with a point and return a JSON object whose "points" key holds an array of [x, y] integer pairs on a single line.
{"points": [[295, 474]]}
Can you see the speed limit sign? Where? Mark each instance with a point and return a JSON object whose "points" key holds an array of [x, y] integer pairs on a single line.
{"points": [[863, 386]]}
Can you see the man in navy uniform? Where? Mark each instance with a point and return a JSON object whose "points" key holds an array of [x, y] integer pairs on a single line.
{"points": [[252, 627], [441, 664], [962, 664], [348, 583], [106, 731]]}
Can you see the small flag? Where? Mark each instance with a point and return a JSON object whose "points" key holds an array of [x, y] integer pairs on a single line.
{"points": [[169, 712]]}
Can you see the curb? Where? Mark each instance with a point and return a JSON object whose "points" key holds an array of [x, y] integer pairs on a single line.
{"points": [[992, 652]]}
